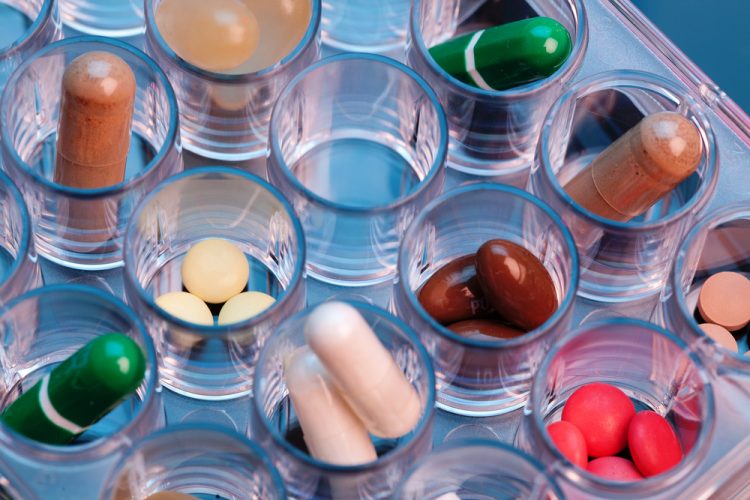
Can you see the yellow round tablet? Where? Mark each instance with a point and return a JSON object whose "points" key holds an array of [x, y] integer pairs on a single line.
{"points": [[244, 306], [187, 307], [215, 270]]}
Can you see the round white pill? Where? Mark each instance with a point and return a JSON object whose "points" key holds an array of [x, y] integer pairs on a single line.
{"points": [[187, 307], [244, 306], [215, 270]]}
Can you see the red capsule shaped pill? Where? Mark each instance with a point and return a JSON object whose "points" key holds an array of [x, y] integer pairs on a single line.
{"points": [[569, 441], [653, 443], [614, 469], [602, 413]]}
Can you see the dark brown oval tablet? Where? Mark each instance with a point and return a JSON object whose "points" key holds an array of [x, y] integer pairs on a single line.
{"points": [[515, 283], [453, 293], [491, 328]]}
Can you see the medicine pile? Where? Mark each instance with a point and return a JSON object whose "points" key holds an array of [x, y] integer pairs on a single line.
{"points": [[345, 385], [215, 273], [600, 421], [502, 292]]}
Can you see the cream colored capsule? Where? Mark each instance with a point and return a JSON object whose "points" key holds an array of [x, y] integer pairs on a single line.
{"points": [[331, 430], [187, 307], [215, 270], [244, 306], [368, 376]]}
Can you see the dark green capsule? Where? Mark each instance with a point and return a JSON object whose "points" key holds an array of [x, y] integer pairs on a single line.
{"points": [[506, 56], [79, 391]]}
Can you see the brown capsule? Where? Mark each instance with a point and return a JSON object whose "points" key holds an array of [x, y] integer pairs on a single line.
{"points": [[516, 283], [453, 293], [638, 169], [473, 328], [96, 112]]}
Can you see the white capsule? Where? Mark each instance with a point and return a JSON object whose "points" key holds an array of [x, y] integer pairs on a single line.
{"points": [[364, 370], [331, 430]]}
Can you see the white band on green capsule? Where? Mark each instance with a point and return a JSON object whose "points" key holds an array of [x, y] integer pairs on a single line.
{"points": [[51, 413], [471, 67]]}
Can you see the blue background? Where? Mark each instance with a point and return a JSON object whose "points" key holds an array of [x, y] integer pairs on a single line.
{"points": [[715, 34]]}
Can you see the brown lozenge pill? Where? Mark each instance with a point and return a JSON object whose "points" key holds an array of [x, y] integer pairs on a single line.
{"points": [[724, 300], [638, 169], [453, 293], [96, 113], [515, 283], [475, 328]]}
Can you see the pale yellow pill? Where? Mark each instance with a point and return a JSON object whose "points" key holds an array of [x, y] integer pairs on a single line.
{"points": [[215, 270], [217, 36], [244, 306], [721, 336], [187, 307]]}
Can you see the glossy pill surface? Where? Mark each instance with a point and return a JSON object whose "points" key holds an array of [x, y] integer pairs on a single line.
{"points": [[516, 283], [331, 430], [614, 469], [653, 443], [79, 391], [479, 328], [216, 36], [453, 293], [363, 369], [724, 300], [244, 306], [569, 441], [506, 56], [602, 413], [215, 270], [187, 307]]}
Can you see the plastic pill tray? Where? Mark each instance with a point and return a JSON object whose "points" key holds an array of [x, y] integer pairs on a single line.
{"points": [[619, 38]]}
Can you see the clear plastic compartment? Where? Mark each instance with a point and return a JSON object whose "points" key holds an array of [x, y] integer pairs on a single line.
{"points": [[613, 36]]}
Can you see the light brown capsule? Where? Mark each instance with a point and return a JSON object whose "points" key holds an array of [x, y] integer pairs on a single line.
{"points": [[96, 113], [638, 169], [93, 139]]}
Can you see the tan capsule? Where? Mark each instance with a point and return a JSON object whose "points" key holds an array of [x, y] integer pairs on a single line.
{"points": [[724, 300], [638, 169], [96, 113], [365, 371]]}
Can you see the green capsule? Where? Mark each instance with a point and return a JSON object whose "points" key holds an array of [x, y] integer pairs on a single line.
{"points": [[506, 56], [79, 391]]}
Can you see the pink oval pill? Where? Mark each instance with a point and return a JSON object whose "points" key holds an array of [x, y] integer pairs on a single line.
{"points": [[653, 443], [602, 413], [614, 469], [569, 441]]}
